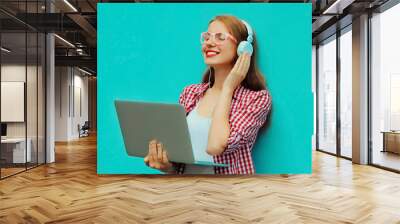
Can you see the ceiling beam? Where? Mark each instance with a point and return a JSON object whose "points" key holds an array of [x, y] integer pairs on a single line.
{"points": [[86, 26], [82, 61]]}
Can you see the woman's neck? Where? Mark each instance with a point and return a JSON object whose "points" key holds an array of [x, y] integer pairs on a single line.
{"points": [[220, 74]]}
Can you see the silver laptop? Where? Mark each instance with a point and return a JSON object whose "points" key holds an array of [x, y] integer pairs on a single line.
{"points": [[141, 122]]}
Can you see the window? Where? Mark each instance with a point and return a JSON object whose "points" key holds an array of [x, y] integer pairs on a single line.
{"points": [[22, 77], [385, 89], [327, 95], [346, 92]]}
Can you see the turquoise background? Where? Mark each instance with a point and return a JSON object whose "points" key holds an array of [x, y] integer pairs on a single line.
{"points": [[151, 51]]}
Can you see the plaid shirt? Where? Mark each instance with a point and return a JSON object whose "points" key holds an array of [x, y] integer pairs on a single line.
{"points": [[249, 110]]}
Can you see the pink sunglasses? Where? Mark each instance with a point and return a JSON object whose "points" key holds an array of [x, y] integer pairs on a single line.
{"points": [[219, 38]]}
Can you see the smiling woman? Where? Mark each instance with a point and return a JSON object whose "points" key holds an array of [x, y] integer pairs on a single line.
{"points": [[225, 111]]}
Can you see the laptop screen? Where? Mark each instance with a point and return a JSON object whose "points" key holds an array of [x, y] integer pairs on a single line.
{"points": [[3, 129]]}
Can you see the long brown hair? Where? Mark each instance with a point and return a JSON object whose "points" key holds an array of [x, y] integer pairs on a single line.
{"points": [[254, 79]]}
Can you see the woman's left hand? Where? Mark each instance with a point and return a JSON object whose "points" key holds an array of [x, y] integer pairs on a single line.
{"points": [[157, 157], [238, 72]]}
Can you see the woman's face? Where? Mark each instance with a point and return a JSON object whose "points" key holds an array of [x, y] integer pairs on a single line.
{"points": [[217, 52]]}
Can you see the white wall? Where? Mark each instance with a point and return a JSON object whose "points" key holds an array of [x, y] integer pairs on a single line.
{"points": [[71, 94], [14, 73], [79, 110], [61, 103]]}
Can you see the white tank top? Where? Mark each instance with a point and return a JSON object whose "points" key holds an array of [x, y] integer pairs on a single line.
{"points": [[199, 127]]}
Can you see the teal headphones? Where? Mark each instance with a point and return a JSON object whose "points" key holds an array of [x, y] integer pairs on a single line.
{"points": [[246, 46]]}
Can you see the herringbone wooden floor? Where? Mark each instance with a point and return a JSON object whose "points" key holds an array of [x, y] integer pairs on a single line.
{"points": [[70, 191]]}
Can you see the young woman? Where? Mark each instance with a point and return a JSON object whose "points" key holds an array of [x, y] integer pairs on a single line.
{"points": [[225, 111]]}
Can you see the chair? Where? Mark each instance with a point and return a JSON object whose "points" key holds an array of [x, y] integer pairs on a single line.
{"points": [[84, 130]]}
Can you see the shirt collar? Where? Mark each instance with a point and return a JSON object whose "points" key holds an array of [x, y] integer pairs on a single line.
{"points": [[204, 86]]}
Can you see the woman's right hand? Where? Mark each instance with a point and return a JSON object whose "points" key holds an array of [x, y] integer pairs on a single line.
{"points": [[157, 157], [238, 72]]}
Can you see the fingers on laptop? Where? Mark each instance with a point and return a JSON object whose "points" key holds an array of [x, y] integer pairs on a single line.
{"points": [[152, 151], [162, 158], [165, 157], [149, 159], [159, 152], [157, 157]]}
